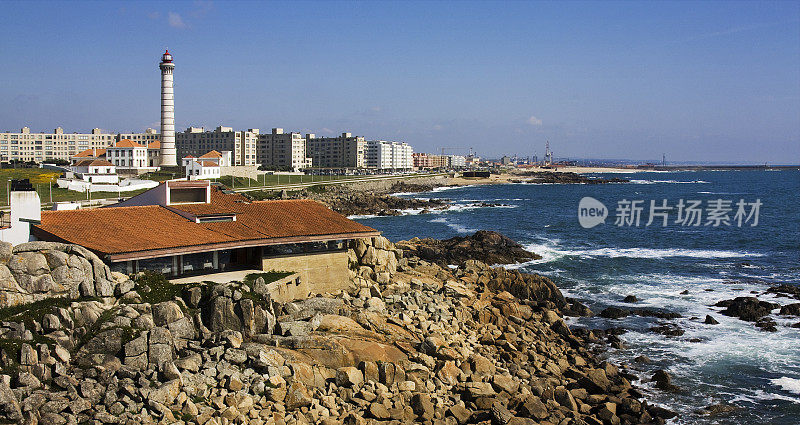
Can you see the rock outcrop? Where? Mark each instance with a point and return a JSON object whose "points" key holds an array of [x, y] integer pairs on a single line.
{"points": [[35, 271], [422, 343], [485, 246]]}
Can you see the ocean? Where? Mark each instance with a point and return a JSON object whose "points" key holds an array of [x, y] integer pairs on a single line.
{"points": [[676, 267]]}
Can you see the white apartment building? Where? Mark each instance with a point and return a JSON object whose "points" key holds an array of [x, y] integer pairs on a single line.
{"points": [[42, 147], [242, 144], [346, 151], [457, 161], [283, 150], [388, 156]]}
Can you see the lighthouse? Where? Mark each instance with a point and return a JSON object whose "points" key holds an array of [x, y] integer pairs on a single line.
{"points": [[168, 156]]}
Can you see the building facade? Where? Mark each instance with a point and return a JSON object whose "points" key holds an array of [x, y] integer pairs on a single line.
{"points": [[425, 161], [456, 161], [43, 147], [283, 150], [388, 156], [345, 151], [196, 141]]}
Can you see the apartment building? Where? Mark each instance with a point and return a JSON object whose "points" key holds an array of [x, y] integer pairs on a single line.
{"points": [[345, 151], [283, 150], [42, 147], [388, 156], [456, 161], [424, 161], [196, 141], [149, 136]]}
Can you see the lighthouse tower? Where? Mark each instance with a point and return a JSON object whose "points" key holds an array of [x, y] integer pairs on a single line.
{"points": [[168, 156]]}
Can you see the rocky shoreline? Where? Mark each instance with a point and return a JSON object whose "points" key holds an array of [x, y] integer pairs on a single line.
{"points": [[410, 341], [378, 198]]}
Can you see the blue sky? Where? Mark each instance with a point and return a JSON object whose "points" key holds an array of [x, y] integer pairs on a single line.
{"points": [[710, 81]]}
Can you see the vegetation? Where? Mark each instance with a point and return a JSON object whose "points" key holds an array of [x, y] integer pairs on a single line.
{"points": [[270, 276]]}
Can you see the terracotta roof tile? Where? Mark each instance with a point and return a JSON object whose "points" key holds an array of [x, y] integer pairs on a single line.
{"points": [[212, 154], [89, 154], [93, 162], [209, 164], [125, 143], [156, 144], [119, 230]]}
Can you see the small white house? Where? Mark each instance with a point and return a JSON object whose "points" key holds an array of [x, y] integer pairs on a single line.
{"points": [[201, 170], [96, 171]]}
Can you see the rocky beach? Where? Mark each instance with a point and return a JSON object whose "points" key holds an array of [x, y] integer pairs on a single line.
{"points": [[410, 341], [380, 198]]}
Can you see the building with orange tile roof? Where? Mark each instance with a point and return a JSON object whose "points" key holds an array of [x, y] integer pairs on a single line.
{"points": [[193, 227]]}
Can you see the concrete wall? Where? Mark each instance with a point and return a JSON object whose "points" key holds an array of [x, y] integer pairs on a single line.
{"points": [[319, 272]]}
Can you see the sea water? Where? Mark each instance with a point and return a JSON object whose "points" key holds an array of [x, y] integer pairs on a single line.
{"points": [[732, 362]]}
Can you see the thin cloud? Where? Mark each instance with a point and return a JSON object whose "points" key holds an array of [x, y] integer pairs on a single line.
{"points": [[175, 20], [733, 30], [154, 16], [534, 121]]}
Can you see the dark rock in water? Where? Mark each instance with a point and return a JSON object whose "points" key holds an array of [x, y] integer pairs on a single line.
{"points": [[790, 310], [747, 308], [767, 324], [642, 359], [661, 412], [660, 314], [685, 292], [710, 320], [791, 291], [663, 381], [718, 409], [796, 325], [615, 313], [630, 299], [553, 177], [486, 246], [668, 329], [575, 308]]}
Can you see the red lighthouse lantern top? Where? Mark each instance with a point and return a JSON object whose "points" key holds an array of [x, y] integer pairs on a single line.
{"points": [[166, 57]]}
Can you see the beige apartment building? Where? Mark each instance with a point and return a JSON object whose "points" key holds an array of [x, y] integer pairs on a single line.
{"points": [[42, 147], [196, 141], [150, 135], [283, 150], [346, 151]]}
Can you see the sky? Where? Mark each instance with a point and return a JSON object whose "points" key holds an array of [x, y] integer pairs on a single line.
{"points": [[695, 81]]}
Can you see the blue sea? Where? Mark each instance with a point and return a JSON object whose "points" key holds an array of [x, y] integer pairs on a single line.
{"points": [[732, 362]]}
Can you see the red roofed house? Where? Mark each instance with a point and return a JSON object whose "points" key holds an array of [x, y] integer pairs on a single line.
{"points": [[185, 228], [130, 156], [207, 166], [96, 171], [93, 153]]}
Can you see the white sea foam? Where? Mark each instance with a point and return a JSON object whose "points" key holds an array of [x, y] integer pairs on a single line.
{"points": [[787, 384], [455, 226], [635, 181], [550, 252]]}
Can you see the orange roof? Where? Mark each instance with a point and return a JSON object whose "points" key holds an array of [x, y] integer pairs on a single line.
{"points": [[93, 162], [209, 164], [212, 154], [125, 143], [133, 231], [88, 153], [188, 156], [156, 144]]}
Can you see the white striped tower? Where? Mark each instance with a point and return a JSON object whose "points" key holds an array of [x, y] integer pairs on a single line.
{"points": [[168, 155]]}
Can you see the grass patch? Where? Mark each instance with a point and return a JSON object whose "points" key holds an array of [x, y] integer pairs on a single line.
{"points": [[269, 277]]}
